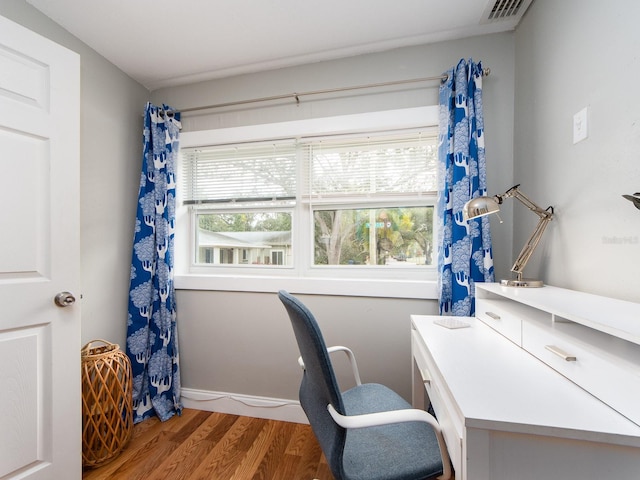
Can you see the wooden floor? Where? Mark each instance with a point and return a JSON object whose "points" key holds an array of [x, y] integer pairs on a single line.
{"points": [[215, 446]]}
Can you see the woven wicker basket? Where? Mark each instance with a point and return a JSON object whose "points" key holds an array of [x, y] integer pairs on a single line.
{"points": [[107, 413]]}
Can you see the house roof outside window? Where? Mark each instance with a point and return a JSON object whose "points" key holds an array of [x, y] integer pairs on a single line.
{"points": [[208, 238]]}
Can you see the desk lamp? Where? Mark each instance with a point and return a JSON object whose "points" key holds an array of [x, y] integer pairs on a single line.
{"points": [[635, 199], [481, 206]]}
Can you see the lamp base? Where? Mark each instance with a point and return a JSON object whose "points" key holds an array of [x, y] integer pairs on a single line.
{"points": [[523, 283]]}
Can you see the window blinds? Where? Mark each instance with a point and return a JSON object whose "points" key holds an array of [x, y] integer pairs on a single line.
{"points": [[401, 165], [333, 169], [239, 173]]}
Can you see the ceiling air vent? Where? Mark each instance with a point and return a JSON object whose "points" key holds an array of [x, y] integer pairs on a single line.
{"points": [[500, 10]]}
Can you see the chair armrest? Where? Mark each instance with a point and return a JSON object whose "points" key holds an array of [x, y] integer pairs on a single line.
{"points": [[352, 359], [396, 416]]}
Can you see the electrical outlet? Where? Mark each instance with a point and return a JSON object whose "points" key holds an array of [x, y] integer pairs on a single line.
{"points": [[580, 125]]}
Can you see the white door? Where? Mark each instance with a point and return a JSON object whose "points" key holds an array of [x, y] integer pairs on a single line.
{"points": [[40, 395]]}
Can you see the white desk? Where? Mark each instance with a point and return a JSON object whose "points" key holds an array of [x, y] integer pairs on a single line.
{"points": [[507, 415]]}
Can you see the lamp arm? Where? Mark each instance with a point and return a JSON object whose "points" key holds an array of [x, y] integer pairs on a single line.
{"points": [[531, 245], [545, 217], [514, 192]]}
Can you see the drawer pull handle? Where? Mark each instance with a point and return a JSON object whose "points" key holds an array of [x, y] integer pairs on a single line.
{"points": [[426, 378], [495, 316], [561, 353]]}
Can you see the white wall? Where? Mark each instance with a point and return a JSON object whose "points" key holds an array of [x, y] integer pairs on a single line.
{"points": [[569, 55], [242, 342], [111, 111]]}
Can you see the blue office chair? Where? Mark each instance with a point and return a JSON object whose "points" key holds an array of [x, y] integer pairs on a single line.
{"points": [[367, 432]]}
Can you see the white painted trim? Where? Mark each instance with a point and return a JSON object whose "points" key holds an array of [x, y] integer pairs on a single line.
{"points": [[246, 405], [353, 287], [359, 122], [350, 281]]}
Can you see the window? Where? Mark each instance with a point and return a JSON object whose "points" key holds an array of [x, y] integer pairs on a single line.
{"points": [[243, 238], [368, 197], [340, 199], [241, 198], [396, 174], [374, 236]]}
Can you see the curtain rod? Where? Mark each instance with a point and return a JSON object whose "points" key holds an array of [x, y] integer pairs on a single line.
{"points": [[296, 96]]}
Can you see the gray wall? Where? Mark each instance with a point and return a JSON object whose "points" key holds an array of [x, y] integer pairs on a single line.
{"points": [[570, 55], [242, 342], [564, 56], [111, 111]]}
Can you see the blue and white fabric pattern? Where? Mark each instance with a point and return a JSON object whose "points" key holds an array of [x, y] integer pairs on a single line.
{"points": [[464, 255], [152, 342]]}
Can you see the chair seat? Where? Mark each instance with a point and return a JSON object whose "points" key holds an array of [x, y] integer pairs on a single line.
{"points": [[403, 451]]}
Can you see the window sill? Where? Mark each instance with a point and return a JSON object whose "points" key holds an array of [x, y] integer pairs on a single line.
{"points": [[423, 289]]}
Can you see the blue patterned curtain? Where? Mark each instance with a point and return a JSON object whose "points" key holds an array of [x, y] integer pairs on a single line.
{"points": [[464, 254], [152, 342]]}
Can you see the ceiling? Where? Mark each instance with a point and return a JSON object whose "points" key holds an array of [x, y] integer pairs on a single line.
{"points": [[163, 43]]}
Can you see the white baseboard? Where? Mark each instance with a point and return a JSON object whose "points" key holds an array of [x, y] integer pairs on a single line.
{"points": [[246, 405]]}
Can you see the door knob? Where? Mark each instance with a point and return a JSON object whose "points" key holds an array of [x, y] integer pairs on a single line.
{"points": [[64, 299]]}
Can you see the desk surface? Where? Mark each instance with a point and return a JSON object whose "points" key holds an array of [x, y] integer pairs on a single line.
{"points": [[499, 386]]}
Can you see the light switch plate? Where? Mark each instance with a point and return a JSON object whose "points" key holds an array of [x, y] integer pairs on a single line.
{"points": [[580, 131]]}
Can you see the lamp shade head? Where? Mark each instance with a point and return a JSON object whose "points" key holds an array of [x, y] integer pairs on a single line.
{"points": [[479, 207]]}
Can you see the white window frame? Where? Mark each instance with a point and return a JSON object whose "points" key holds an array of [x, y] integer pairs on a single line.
{"points": [[303, 278]]}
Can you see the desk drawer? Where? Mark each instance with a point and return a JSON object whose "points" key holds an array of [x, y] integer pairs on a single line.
{"points": [[505, 321], [606, 366], [442, 403]]}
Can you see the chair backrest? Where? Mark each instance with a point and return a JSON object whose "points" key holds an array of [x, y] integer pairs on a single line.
{"points": [[319, 386]]}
